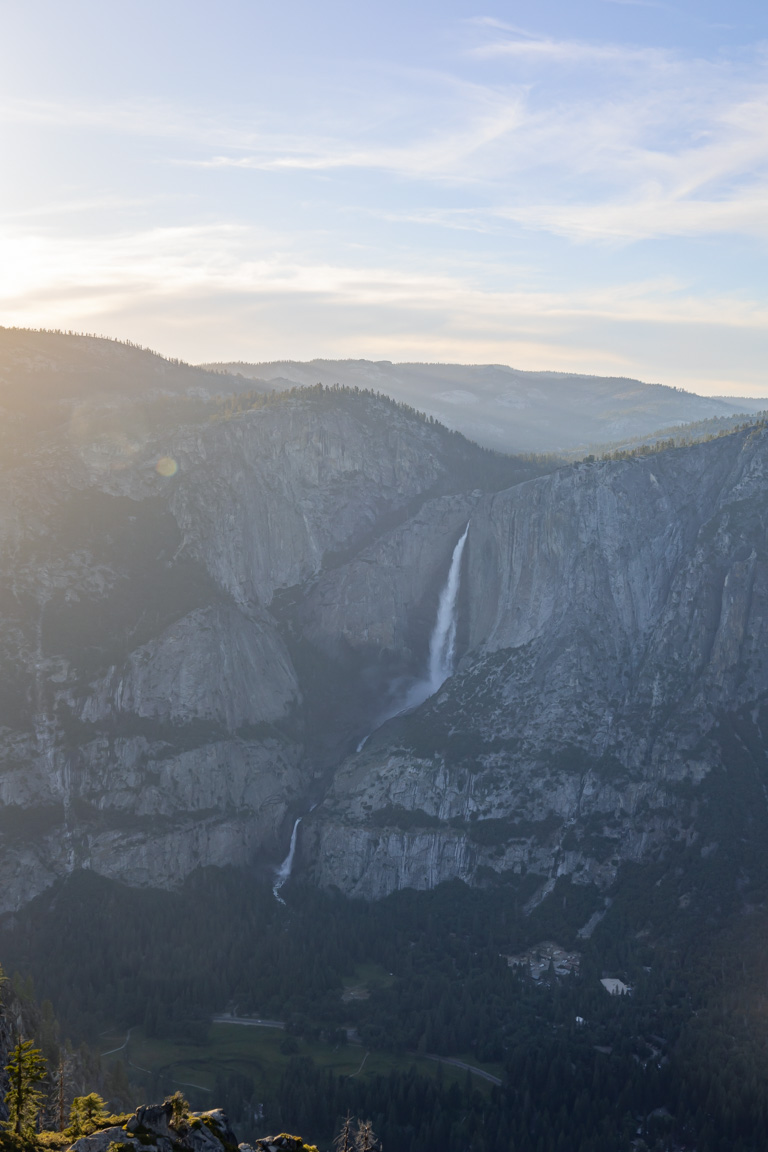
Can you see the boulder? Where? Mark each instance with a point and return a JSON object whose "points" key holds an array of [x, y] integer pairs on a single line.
{"points": [[152, 1129]]}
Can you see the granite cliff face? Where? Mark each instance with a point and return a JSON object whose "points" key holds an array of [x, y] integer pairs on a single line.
{"points": [[206, 607], [155, 684], [614, 618]]}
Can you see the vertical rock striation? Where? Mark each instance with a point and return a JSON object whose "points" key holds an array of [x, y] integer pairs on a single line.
{"points": [[616, 620], [162, 630]]}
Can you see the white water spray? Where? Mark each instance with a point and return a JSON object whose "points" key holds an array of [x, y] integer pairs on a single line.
{"points": [[284, 871], [442, 644]]}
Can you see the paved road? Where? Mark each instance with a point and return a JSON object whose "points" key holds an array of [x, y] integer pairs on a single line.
{"points": [[360, 1068], [123, 1045], [250, 1021], [465, 1068]]}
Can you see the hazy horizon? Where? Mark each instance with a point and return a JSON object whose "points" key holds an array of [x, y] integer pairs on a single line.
{"points": [[226, 364], [550, 189]]}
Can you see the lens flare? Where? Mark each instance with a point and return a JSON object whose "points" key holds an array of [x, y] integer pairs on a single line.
{"points": [[167, 466]]}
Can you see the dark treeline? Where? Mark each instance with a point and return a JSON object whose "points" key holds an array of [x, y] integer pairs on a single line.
{"points": [[684, 1058], [681, 436], [416, 1113], [666, 1059]]}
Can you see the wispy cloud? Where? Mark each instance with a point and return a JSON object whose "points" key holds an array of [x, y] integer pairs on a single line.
{"points": [[242, 259], [440, 155], [648, 144], [638, 3], [673, 147], [547, 49]]}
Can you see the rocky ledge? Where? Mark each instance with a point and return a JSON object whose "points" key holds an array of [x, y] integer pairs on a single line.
{"points": [[281, 1143], [161, 1128], [156, 1127]]}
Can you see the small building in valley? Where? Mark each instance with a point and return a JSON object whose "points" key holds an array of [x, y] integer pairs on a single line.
{"points": [[615, 987]]}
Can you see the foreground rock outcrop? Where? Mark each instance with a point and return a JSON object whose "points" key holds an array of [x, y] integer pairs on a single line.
{"points": [[282, 1143], [159, 1128], [155, 1128]]}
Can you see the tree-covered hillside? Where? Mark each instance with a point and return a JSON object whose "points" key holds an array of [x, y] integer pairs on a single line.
{"points": [[683, 1058]]}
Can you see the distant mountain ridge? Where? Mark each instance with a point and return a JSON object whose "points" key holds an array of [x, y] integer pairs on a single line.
{"points": [[509, 409], [48, 378], [43, 374]]}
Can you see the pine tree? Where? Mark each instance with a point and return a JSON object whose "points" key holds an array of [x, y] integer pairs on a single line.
{"points": [[26, 1071], [86, 1114]]}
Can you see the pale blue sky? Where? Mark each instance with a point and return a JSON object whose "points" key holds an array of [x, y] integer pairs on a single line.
{"points": [[549, 185]]}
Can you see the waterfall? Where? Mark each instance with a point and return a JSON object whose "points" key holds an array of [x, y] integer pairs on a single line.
{"points": [[284, 871], [442, 643]]}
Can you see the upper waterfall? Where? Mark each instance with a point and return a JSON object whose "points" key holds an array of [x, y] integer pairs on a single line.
{"points": [[442, 643], [284, 871]]}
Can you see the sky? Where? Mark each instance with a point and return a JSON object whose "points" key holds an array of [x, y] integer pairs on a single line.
{"points": [[549, 185]]}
